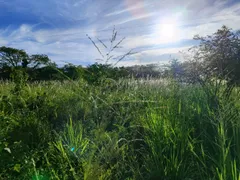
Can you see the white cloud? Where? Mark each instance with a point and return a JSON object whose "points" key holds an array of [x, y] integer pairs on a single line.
{"points": [[118, 12], [134, 18], [138, 20], [44, 42], [156, 52]]}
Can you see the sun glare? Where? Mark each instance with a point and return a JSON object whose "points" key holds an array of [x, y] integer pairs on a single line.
{"points": [[167, 31]]}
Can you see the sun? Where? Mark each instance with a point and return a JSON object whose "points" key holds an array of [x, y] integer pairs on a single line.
{"points": [[167, 31]]}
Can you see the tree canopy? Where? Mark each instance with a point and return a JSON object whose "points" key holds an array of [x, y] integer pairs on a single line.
{"points": [[216, 56], [219, 54], [11, 57]]}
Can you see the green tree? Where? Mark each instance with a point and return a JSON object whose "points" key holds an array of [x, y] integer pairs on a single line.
{"points": [[176, 69], [11, 57], [73, 72], [12, 61], [219, 55], [36, 61]]}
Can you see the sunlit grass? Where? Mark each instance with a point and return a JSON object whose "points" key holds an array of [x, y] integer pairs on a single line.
{"points": [[118, 130]]}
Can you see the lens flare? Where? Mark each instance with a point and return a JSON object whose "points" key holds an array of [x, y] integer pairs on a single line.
{"points": [[137, 8], [167, 31]]}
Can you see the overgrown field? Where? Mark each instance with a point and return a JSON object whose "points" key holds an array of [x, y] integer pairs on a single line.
{"points": [[118, 130]]}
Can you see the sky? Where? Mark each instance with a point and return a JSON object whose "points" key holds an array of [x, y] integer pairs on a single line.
{"points": [[156, 30]]}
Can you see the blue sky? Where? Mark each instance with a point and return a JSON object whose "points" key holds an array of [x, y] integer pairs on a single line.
{"points": [[156, 29]]}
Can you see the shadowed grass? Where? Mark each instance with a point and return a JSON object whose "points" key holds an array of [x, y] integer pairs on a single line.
{"points": [[118, 130]]}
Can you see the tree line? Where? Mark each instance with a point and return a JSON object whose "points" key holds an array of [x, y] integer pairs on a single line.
{"points": [[39, 67], [216, 56]]}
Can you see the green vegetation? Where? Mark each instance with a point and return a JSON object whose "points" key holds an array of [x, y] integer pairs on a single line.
{"points": [[118, 130], [98, 123]]}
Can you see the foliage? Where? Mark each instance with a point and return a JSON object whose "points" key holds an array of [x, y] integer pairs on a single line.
{"points": [[73, 72], [145, 71], [11, 57], [97, 72], [216, 56], [220, 54], [99, 124], [19, 77], [132, 130]]}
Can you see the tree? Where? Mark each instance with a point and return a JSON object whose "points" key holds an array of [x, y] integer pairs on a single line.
{"points": [[12, 61], [73, 72], [193, 72], [35, 61], [11, 57], [219, 55], [176, 69], [144, 71]]}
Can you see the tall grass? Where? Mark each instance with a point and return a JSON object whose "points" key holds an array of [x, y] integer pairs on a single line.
{"points": [[118, 130]]}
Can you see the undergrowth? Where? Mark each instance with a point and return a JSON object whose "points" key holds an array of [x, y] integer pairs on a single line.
{"points": [[118, 130]]}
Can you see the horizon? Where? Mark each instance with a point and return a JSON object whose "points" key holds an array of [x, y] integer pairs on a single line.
{"points": [[156, 30]]}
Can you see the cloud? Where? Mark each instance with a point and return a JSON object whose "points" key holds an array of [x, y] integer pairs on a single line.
{"points": [[128, 9], [59, 28], [161, 55], [59, 49], [139, 17]]}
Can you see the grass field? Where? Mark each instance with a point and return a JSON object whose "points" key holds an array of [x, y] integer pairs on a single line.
{"points": [[118, 130]]}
